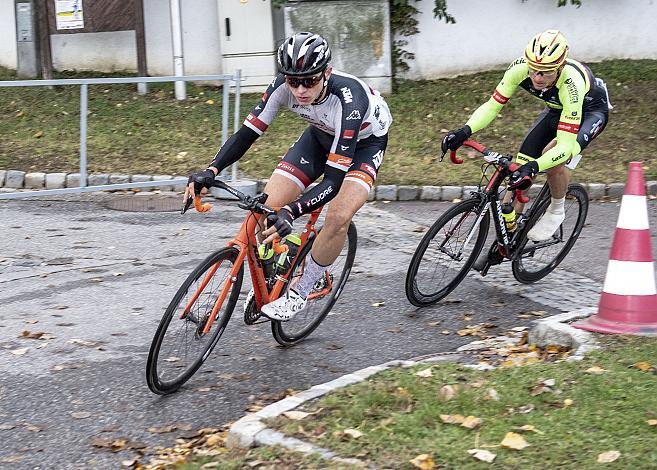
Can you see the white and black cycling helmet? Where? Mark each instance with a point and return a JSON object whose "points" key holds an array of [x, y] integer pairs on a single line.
{"points": [[303, 54]]}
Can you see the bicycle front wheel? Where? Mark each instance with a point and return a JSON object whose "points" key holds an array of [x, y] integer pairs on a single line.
{"points": [[537, 260], [180, 346], [323, 295], [446, 253]]}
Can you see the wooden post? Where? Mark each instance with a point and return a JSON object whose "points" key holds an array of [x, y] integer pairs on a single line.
{"points": [[44, 39]]}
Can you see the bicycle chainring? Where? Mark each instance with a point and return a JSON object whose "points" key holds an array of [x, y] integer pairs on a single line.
{"points": [[251, 313]]}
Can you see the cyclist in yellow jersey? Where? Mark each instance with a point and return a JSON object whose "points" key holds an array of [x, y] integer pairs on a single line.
{"points": [[577, 111]]}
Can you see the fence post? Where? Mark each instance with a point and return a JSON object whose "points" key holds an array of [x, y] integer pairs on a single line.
{"points": [[83, 133], [224, 118], [236, 123]]}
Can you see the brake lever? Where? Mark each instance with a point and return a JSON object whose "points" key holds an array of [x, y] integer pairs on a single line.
{"points": [[187, 205]]}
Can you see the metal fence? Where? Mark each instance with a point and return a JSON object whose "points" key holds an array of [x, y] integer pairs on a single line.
{"points": [[84, 92]]}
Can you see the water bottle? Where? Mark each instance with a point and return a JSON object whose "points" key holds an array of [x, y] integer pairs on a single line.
{"points": [[283, 260], [266, 255], [509, 216]]}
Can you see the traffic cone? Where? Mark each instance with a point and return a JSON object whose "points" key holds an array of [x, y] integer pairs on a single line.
{"points": [[629, 298]]}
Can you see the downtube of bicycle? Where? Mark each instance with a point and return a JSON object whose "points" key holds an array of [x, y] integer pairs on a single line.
{"points": [[224, 293]]}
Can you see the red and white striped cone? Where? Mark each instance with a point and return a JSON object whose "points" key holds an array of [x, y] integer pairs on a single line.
{"points": [[629, 298]]}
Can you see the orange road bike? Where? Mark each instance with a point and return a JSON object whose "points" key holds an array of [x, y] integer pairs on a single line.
{"points": [[450, 247], [199, 312]]}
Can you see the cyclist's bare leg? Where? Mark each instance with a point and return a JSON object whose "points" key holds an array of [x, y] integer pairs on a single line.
{"points": [[557, 177], [330, 240]]}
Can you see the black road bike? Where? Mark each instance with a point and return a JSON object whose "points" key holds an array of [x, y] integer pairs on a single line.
{"points": [[453, 243]]}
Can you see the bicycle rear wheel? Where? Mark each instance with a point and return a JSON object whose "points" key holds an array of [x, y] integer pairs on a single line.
{"points": [[538, 259], [321, 299], [443, 259], [179, 346]]}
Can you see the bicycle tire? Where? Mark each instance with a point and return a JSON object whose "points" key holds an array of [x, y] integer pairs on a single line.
{"points": [[305, 322], [527, 267], [415, 288], [157, 366]]}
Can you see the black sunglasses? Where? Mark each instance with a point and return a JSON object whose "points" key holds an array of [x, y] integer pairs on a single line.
{"points": [[307, 82]]}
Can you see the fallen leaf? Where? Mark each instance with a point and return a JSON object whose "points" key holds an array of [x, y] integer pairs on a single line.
{"points": [[82, 342], [172, 359], [38, 135], [528, 427], [7, 427], [452, 419], [355, 433], [447, 392], [419, 229], [643, 366], [596, 370], [424, 462], [295, 415], [652, 422], [19, 351], [81, 414], [445, 332], [471, 422], [163, 429], [492, 395], [209, 102], [215, 439], [425, 373], [482, 454], [514, 441], [609, 456], [378, 304], [31, 322], [567, 402]]}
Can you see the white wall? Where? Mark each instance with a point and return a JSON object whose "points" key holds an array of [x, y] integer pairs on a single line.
{"points": [[493, 33], [7, 34]]}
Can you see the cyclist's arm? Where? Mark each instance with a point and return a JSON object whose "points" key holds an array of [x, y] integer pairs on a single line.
{"points": [[571, 94], [488, 111], [255, 124]]}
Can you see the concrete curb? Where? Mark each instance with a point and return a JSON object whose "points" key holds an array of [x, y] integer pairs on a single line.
{"points": [[251, 430], [14, 180]]}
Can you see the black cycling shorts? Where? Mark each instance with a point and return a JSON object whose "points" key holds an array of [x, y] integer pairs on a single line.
{"points": [[310, 157], [545, 129]]}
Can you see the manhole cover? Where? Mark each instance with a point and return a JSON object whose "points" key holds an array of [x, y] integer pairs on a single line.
{"points": [[145, 204]]}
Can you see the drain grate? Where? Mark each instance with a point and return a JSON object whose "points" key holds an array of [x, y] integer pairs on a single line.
{"points": [[135, 203]]}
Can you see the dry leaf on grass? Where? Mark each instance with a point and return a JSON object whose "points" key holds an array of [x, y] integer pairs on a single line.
{"points": [[595, 370], [482, 454], [425, 373], [652, 422], [609, 456], [295, 415], [643, 366], [514, 441], [492, 394], [471, 422], [355, 433], [423, 462], [452, 419], [528, 427], [447, 392]]}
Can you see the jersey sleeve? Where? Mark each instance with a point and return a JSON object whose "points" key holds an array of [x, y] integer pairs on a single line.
{"points": [[504, 90], [263, 114], [354, 103], [571, 95]]}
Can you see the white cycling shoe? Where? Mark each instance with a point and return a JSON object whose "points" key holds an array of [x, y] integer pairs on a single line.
{"points": [[285, 307], [546, 226]]}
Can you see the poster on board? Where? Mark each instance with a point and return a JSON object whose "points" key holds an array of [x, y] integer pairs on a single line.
{"points": [[69, 14]]}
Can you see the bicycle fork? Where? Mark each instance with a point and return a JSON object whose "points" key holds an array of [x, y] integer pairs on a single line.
{"points": [[459, 255]]}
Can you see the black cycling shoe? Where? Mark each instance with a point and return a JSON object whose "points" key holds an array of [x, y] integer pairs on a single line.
{"points": [[488, 259]]}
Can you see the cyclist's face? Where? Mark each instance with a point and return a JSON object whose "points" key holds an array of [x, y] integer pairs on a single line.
{"points": [[307, 90], [541, 80]]}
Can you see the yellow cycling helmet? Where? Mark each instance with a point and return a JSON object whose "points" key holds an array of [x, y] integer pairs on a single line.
{"points": [[547, 51]]}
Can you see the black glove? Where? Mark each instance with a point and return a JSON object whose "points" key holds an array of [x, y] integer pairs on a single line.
{"points": [[282, 220], [523, 177], [202, 179], [454, 139]]}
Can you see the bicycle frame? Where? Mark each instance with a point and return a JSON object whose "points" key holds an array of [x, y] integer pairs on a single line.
{"points": [[246, 242]]}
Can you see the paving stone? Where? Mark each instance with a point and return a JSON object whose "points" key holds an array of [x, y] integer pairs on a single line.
{"points": [[119, 179], [36, 180], [595, 190], [141, 178], [431, 193], [73, 180], [651, 187], [8, 190], [55, 180], [615, 190], [386, 192], [407, 193], [14, 179], [452, 192], [97, 179], [162, 178]]}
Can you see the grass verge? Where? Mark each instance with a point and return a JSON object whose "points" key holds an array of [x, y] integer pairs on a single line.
{"points": [[155, 134], [568, 412]]}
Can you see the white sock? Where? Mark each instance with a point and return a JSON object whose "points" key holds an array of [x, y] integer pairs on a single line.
{"points": [[556, 206], [312, 272]]}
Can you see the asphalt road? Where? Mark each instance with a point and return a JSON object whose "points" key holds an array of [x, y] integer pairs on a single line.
{"points": [[96, 282]]}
